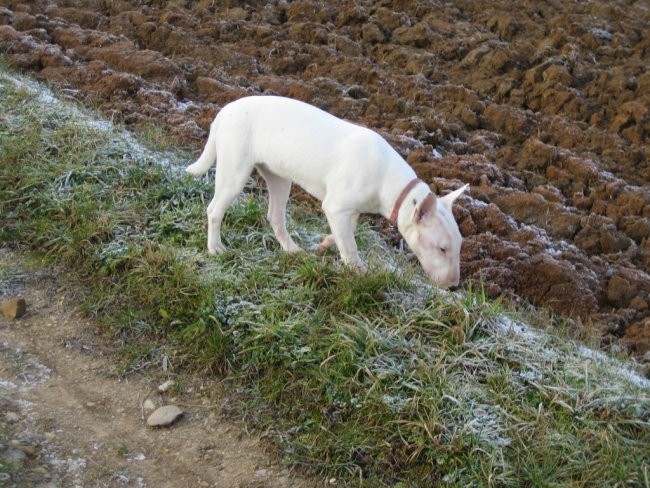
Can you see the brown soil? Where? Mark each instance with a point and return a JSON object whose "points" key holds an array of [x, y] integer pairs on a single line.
{"points": [[66, 419], [543, 107]]}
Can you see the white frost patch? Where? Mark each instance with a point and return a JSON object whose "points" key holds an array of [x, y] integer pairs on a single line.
{"points": [[185, 106], [603, 370], [103, 126], [7, 385], [35, 373], [405, 142], [601, 34], [616, 367], [524, 331], [472, 415], [123, 137], [44, 95], [607, 176], [395, 402], [487, 426], [69, 466], [26, 369], [25, 405]]}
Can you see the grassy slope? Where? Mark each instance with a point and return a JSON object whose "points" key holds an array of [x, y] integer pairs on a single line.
{"points": [[376, 379]]}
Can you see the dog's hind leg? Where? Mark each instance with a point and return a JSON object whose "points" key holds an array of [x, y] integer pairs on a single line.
{"points": [[228, 183], [325, 243], [328, 241], [279, 189]]}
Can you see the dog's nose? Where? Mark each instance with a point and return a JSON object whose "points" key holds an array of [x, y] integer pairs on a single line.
{"points": [[455, 279], [449, 285], [452, 285]]}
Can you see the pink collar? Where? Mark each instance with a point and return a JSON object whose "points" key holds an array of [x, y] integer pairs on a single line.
{"points": [[402, 196]]}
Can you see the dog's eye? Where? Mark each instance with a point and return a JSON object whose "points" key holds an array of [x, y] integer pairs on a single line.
{"points": [[443, 250]]}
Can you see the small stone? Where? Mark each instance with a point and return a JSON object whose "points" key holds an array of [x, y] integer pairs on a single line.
{"points": [[149, 405], [166, 386], [14, 308], [164, 416]]}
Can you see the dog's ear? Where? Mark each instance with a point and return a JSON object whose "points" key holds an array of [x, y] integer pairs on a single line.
{"points": [[449, 199], [425, 207]]}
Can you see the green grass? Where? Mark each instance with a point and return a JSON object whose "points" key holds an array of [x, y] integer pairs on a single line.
{"points": [[376, 379]]}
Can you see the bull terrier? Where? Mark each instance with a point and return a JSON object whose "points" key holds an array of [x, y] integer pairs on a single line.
{"points": [[349, 168]]}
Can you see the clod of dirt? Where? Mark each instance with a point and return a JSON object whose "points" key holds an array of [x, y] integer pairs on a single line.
{"points": [[14, 308], [164, 416]]}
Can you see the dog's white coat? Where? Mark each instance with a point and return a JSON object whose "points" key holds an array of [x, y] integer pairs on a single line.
{"points": [[350, 168]]}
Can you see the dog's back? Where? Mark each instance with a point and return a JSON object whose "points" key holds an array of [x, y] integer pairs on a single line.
{"points": [[295, 140]]}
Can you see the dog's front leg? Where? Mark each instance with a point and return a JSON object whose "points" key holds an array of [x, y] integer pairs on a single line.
{"points": [[343, 225]]}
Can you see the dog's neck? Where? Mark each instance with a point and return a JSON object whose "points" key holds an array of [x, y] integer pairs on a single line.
{"points": [[411, 194], [400, 199]]}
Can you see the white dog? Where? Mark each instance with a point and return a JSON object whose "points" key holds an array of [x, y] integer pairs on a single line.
{"points": [[351, 169]]}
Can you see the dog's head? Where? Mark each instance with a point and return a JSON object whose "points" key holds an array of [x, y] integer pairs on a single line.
{"points": [[433, 235]]}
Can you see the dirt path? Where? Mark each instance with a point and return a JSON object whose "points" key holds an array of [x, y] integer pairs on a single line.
{"points": [[67, 420]]}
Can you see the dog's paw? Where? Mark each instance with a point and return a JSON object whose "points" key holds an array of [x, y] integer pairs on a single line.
{"points": [[361, 268], [358, 267], [292, 248], [326, 243], [214, 250]]}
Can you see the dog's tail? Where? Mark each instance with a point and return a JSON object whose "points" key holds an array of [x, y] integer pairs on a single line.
{"points": [[208, 156]]}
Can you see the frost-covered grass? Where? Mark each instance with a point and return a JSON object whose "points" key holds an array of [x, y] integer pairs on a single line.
{"points": [[375, 380]]}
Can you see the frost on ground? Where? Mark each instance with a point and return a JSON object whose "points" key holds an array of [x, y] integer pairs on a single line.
{"points": [[582, 362], [539, 370], [77, 116]]}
